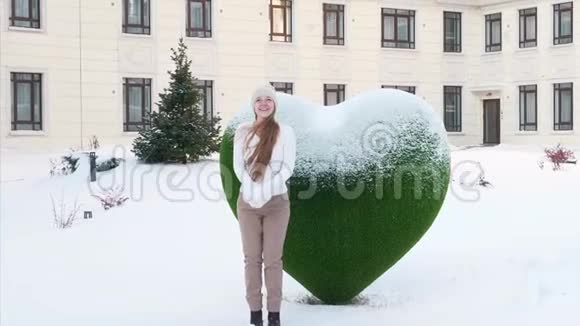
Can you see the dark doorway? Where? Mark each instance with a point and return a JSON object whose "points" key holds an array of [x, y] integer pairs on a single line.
{"points": [[491, 125]]}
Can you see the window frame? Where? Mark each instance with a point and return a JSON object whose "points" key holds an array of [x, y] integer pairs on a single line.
{"points": [[340, 90], [145, 26], [557, 40], [13, 18], [398, 14], [339, 11], [287, 9], [35, 78], [145, 122], [489, 20], [206, 30], [524, 90], [283, 87], [456, 124], [559, 88], [524, 14], [406, 88], [456, 45], [206, 88]]}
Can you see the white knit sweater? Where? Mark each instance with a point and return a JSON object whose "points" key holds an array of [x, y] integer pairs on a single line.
{"points": [[278, 171]]}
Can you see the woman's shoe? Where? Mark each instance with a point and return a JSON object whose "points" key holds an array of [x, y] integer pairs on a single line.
{"points": [[273, 318], [256, 318]]}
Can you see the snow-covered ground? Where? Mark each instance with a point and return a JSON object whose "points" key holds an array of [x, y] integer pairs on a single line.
{"points": [[171, 255]]}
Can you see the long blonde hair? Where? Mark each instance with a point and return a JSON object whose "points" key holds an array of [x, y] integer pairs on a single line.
{"points": [[268, 131]]}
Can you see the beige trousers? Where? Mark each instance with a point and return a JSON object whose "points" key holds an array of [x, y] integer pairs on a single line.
{"points": [[263, 232]]}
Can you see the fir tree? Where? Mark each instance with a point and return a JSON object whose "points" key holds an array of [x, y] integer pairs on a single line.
{"points": [[179, 131]]}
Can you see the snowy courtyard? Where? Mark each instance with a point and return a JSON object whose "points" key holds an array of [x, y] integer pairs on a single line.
{"points": [[503, 254]]}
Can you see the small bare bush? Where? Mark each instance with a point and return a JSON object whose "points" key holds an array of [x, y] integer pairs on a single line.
{"points": [[111, 197], [559, 155], [64, 216], [94, 143]]}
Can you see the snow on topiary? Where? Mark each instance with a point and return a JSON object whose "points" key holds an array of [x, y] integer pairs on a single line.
{"points": [[370, 177]]}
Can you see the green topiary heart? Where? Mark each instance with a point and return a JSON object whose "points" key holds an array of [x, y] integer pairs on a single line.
{"points": [[389, 144]]}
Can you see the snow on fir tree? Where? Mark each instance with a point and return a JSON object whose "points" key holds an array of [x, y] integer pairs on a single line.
{"points": [[178, 131]]}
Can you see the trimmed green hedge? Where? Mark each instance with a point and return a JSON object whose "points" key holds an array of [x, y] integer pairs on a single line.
{"points": [[336, 247]]}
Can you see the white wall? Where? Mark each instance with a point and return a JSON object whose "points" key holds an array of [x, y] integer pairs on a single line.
{"points": [[240, 54]]}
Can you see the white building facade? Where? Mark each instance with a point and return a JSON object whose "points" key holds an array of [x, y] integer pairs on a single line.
{"points": [[496, 71]]}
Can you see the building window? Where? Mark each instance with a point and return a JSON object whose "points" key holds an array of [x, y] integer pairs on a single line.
{"points": [[281, 20], [26, 90], [528, 27], [528, 108], [287, 88], [333, 24], [398, 28], [205, 88], [334, 93], [137, 103], [452, 107], [408, 89], [199, 18], [563, 23], [452, 31], [136, 17], [25, 13], [563, 107], [493, 32]]}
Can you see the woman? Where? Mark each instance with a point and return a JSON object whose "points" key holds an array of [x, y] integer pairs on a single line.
{"points": [[264, 157]]}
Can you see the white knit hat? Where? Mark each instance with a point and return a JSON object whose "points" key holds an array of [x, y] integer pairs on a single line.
{"points": [[264, 90]]}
